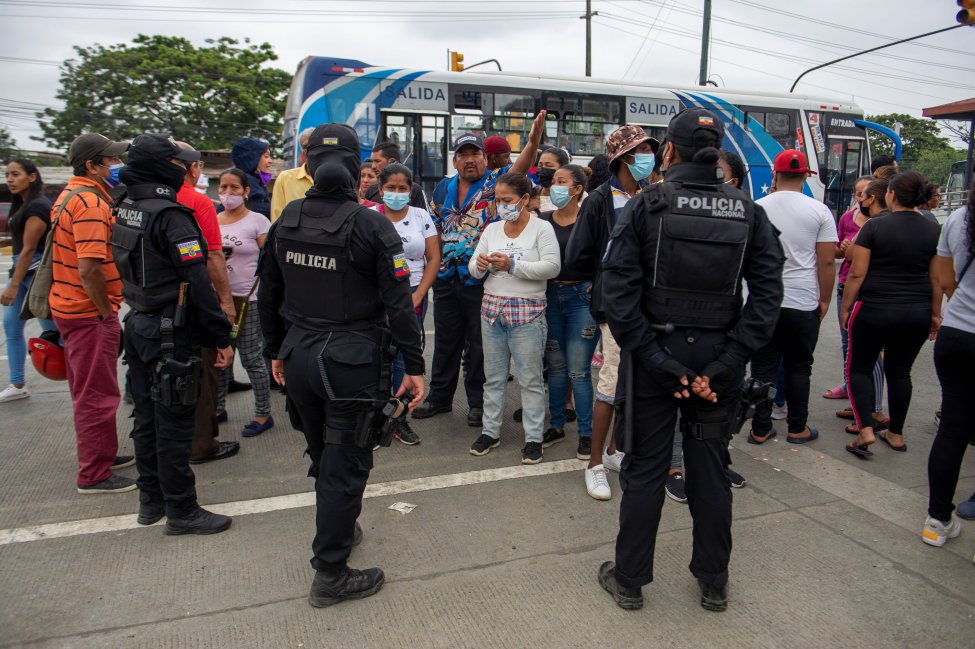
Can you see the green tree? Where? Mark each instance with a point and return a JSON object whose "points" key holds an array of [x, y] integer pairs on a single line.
{"points": [[208, 96], [919, 136], [8, 148]]}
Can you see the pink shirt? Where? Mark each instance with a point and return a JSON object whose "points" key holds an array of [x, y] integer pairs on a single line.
{"points": [[847, 228], [241, 249]]}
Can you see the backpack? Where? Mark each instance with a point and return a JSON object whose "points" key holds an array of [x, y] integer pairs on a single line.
{"points": [[36, 303]]}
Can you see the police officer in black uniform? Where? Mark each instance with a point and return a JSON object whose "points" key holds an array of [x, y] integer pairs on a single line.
{"points": [[334, 297], [672, 293], [161, 257]]}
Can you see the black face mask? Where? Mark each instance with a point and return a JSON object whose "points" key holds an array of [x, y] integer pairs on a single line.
{"points": [[545, 176], [864, 209]]}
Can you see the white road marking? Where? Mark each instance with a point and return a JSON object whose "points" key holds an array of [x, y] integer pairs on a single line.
{"points": [[291, 501]]}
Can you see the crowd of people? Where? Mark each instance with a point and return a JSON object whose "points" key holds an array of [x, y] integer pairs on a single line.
{"points": [[525, 262]]}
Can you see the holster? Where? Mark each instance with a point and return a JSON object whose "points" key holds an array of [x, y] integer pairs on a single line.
{"points": [[175, 382]]}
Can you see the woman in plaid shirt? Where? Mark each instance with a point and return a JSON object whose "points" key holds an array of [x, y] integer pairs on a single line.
{"points": [[519, 254]]}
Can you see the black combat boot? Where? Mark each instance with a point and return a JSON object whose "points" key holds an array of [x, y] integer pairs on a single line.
{"points": [[630, 599], [713, 598], [199, 521], [333, 587]]}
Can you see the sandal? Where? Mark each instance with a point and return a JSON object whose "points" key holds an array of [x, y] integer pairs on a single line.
{"points": [[845, 413], [851, 429], [861, 452], [880, 424], [883, 437], [754, 440], [839, 392]]}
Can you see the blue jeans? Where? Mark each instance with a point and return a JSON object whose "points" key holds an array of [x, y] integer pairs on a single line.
{"points": [[572, 338], [525, 344], [13, 330], [399, 365]]}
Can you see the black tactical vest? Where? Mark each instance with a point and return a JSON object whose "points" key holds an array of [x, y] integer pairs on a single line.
{"points": [[150, 281], [323, 289], [703, 235]]}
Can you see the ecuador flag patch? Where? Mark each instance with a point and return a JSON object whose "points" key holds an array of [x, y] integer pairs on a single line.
{"points": [[189, 250], [400, 267]]}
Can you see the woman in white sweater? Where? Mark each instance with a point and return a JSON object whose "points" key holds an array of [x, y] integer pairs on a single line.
{"points": [[518, 254]]}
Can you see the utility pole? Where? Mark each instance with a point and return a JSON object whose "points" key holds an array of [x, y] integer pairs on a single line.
{"points": [[588, 18], [705, 43]]}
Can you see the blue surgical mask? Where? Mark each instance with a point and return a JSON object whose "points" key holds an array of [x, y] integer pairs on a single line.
{"points": [[509, 212], [396, 201], [560, 195], [642, 165], [113, 171]]}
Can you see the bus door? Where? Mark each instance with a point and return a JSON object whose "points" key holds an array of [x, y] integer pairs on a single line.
{"points": [[422, 139], [841, 155]]}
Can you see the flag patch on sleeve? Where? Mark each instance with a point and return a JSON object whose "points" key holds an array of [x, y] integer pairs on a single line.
{"points": [[189, 250], [400, 267]]}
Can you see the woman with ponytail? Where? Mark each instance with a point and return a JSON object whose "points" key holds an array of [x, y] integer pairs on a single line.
{"points": [[891, 303], [954, 356]]}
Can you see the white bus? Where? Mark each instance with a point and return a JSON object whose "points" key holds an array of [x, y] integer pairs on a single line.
{"points": [[423, 111]]}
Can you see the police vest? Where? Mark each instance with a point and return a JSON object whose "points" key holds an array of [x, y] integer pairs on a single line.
{"points": [[150, 281], [703, 235], [322, 287]]}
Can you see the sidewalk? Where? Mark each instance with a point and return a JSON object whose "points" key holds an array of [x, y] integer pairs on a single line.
{"points": [[496, 554]]}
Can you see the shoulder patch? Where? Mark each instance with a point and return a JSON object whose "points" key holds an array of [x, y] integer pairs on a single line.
{"points": [[400, 266], [189, 250]]}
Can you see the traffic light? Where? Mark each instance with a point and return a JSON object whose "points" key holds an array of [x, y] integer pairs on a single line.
{"points": [[457, 60], [967, 14]]}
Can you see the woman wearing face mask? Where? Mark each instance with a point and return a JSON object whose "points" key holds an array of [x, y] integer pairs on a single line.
{"points": [[29, 223], [549, 161], [572, 331], [243, 232], [871, 203], [421, 244], [869, 194], [253, 156], [518, 254], [891, 303]]}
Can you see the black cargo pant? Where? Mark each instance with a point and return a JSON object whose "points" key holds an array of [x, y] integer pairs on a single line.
{"points": [[457, 327], [644, 471], [340, 468], [162, 435]]}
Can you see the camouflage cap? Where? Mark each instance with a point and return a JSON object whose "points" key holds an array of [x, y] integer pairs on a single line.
{"points": [[625, 139]]}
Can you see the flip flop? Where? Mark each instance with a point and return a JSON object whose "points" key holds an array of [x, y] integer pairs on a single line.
{"points": [[813, 436], [880, 424], [852, 430], [751, 437], [861, 452], [845, 413], [835, 393], [883, 437]]}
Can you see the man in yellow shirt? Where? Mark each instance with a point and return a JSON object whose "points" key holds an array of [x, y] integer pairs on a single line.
{"points": [[292, 184]]}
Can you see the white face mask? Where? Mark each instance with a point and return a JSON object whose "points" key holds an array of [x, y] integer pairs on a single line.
{"points": [[509, 212], [231, 201]]}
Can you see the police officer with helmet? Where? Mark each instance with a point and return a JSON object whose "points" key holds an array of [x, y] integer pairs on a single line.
{"points": [[335, 304], [672, 293], [161, 257]]}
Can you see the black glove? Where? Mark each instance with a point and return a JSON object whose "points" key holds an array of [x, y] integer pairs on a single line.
{"points": [[726, 370], [668, 373]]}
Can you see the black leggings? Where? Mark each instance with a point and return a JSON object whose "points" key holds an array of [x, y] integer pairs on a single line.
{"points": [[899, 330], [954, 357]]}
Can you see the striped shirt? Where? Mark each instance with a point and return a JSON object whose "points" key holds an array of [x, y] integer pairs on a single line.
{"points": [[84, 231]]}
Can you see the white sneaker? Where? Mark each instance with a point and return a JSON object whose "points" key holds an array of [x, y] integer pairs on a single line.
{"points": [[613, 462], [937, 533], [780, 412], [596, 483], [12, 393]]}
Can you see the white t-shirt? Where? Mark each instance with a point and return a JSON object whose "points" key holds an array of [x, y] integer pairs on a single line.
{"points": [[803, 222], [414, 229], [535, 253], [960, 310]]}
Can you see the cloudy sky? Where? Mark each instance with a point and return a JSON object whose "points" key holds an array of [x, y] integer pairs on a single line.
{"points": [[760, 45]]}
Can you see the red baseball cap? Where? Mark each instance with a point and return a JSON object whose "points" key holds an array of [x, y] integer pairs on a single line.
{"points": [[792, 161], [496, 144]]}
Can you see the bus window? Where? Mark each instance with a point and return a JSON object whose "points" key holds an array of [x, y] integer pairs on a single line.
{"points": [[513, 115], [586, 123], [399, 131], [780, 125]]}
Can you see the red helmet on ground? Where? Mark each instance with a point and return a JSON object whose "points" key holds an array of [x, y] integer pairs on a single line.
{"points": [[47, 355]]}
